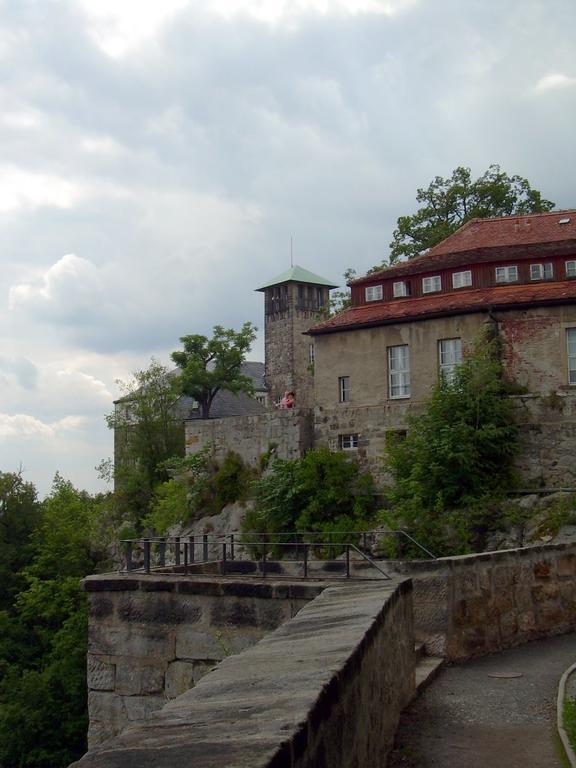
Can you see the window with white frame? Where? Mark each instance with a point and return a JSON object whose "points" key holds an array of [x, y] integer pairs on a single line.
{"points": [[506, 274], [571, 269], [462, 279], [571, 342], [541, 271], [344, 389], [348, 442], [399, 371], [431, 284], [311, 354], [450, 356], [401, 288], [373, 292]]}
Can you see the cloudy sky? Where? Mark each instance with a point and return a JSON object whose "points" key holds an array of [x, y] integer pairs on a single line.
{"points": [[157, 155]]}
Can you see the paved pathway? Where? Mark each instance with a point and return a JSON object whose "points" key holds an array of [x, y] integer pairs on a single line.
{"points": [[467, 719]]}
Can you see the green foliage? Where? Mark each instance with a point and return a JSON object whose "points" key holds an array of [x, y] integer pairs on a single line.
{"points": [[570, 720], [19, 515], [147, 432], [446, 204], [457, 456], [322, 491], [232, 481], [208, 366], [43, 717], [341, 300]]}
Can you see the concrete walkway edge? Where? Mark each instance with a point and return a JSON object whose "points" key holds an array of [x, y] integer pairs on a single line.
{"points": [[560, 715]]}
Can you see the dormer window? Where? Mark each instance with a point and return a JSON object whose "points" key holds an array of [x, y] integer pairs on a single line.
{"points": [[373, 293], [462, 279], [401, 288], [507, 274], [571, 269], [541, 271], [431, 284]]}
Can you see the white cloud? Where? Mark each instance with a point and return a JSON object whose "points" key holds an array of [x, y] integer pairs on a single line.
{"points": [[278, 11], [26, 189], [24, 425], [555, 81]]}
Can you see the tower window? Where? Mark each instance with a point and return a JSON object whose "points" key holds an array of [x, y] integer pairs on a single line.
{"points": [[344, 389], [399, 371]]}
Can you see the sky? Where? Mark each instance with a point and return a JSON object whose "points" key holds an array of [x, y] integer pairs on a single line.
{"points": [[157, 157]]}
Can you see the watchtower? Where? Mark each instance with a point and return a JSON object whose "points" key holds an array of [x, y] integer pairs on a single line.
{"points": [[294, 301]]}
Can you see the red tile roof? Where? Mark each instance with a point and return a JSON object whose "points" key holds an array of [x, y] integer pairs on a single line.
{"points": [[460, 302], [491, 240]]}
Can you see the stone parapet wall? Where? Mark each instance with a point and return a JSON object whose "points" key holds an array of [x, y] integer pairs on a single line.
{"points": [[288, 434], [153, 637], [325, 690], [476, 604]]}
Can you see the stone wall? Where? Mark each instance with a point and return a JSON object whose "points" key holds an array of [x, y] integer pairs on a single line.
{"points": [[289, 433], [325, 690], [151, 638], [476, 604]]}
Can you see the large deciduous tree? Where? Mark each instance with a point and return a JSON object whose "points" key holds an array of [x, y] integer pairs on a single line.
{"points": [[208, 366], [446, 204]]}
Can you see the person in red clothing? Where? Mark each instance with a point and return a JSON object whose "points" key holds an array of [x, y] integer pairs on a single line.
{"points": [[288, 400]]}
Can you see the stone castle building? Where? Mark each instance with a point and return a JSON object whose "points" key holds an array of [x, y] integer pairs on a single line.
{"points": [[357, 374]]}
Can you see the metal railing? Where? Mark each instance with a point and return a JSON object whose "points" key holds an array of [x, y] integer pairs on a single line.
{"points": [[272, 552]]}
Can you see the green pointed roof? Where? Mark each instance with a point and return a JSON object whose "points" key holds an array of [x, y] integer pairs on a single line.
{"points": [[297, 275]]}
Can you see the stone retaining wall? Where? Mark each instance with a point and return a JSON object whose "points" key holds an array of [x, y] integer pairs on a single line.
{"points": [[151, 637], [285, 434], [476, 604], [325, 690]]}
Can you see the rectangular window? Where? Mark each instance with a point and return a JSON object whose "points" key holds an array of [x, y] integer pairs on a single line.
{"points": [[319, 298], [506, 274], [399, 371], [541, 271], [431, 284], [462, 279], [344, 389], [347, 442], [400, 288], [450, 354], [311, 354], [373, 293], [571, 269], [571, 340]]}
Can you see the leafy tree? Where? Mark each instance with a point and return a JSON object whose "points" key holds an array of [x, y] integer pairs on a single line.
{"points": [[147, 432], [341, 300], [457, 454], [446, 204], [322, 491], [208, 366], [43, 719], [19, 515]]}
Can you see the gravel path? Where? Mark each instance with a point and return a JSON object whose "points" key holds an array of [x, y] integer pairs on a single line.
{"points": [[468, 719]]}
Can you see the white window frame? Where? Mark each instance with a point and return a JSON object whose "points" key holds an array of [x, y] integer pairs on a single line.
{"points": [[507, 274], [542, 271], [399, 372], [348, 442], [343, 389], [400, 289], [571, 352], [432, 284], [449, 357], [373, 292], [571, 268], [462, 279]]}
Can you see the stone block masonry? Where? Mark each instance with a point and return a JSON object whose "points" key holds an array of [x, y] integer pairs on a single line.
{"points": [[153, 637], [325, 690], [476, 604]]}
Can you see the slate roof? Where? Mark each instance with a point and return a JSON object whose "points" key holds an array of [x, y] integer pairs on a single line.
{"points": [[461, 302], [483, 240], [298, 275]]}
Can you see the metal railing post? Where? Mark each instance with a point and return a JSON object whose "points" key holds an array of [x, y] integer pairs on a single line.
{"points": [[186, 558], [129, 563], [305, 561], [177, 550], [263, 561], [224, 557], [192, 545], [347, 561], [146, 545], [231, 546], [162, 553], [205, 547]]}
